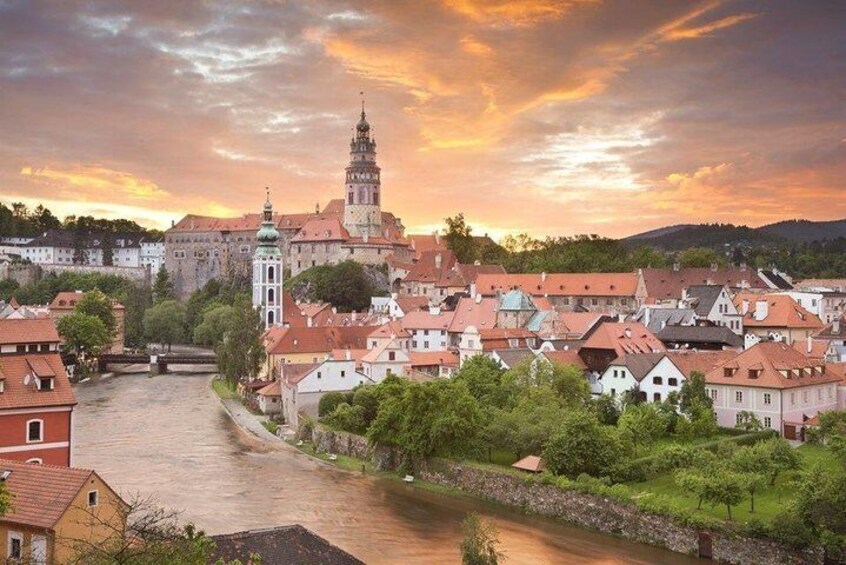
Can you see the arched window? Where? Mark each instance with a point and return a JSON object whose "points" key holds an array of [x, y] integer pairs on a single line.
{"points": [[270, 318], [271, 272], [361, 199], [271, 295], [375, 198]]}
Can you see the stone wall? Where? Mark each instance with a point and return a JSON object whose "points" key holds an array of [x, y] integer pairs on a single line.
{"points": [[135, 274], [342, 443], [22, 274]]}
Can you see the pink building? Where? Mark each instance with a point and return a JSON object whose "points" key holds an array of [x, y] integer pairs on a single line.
{"points": [[779, 384]]}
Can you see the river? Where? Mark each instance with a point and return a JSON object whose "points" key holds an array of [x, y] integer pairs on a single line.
{"points": [[169, 437]]}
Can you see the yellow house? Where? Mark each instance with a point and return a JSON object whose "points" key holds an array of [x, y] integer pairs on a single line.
{"points": [[285, 346], [57, 512]]}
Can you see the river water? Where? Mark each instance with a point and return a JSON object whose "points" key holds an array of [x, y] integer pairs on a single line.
{"points": [[169, 437]]}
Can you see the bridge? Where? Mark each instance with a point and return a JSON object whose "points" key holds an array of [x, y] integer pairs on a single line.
{"points": [[158, 363]]}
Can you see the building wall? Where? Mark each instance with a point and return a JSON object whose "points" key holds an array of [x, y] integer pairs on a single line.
{"points": [[54, 449], [668, 373], [27, 535], [616, 380], [613, 304], [428, 340]]}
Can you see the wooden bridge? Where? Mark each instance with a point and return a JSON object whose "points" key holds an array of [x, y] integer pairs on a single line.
{"points": [[158, 363]]}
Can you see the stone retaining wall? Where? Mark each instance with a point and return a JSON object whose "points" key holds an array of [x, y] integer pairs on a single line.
{"points": [[591, 511]]}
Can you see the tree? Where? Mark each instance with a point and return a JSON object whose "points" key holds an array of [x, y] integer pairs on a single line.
{"points": [[483, 377], [83, 332], [163, 286], [700, 257], [216, 322], [582, 445], [348, 418], [165, 323], [756, 467], [479, 545], [329, 401], [697, 407], [136, 300], [723, 486], [346, 286], [748, 421], [643, 423], [95, 303], [781, 456], [240, 352], [459, 240], [606, 410], [820, 500], [692, 481]]}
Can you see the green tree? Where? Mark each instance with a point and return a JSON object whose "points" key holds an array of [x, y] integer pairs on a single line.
{"points": [[216, 322], [700, 257], [692, 481], [483, 377], [480, 542], [606, 409], [755, 465], [781, 456], [582, 445], [724, 487], [163, 286], [346, 286], [459, 239], [95, 303], [83, 333], [820, 500], [136, 299], [240, 352], [367, 397], [164, 323], [748, 421], [329, 401], [643, 423], [348, 418]]}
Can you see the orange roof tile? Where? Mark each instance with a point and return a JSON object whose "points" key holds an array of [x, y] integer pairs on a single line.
{"points": [[16, 394], [623, 338], [411, 303], [782, 312], [433, 358], [426, 269], [468, 312], [322, 229], [566, 357], [771, 365], [425, 320], [270, 390], [668, 283], [560, 284], [29, 330], [323, 339], [391, 329], [689, 361]]}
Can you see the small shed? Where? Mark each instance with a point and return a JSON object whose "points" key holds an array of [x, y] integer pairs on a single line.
{"points": [[530, 463]]}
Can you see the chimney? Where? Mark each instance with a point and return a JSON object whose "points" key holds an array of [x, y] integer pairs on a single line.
{"points": [[663, 324], [437, 238], [744, 307], [348, 354], [543, 276], [762, 309], [438, 261], [628, 333], [435, 310], [478, 299], [173, 223], [309, 321], [473, 290], [714, 267], [810, 344], [676, 266]]}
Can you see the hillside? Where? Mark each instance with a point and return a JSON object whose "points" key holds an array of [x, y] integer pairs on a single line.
{"points": [[713, 235]]}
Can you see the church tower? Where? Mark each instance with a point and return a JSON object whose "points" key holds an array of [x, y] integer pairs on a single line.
{"points": [[267, 270], [362, 210]]}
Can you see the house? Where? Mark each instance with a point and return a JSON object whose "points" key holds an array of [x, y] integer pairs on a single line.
{"points": [[441, 364], [618, 293], [36, 399], [554, 325], [284, 545], [652, 375], [610, 340], [387, 332], [776, 317], [437, 274], [309, 345], [390, 357], [714, 304], [478, 312], [56, 512], [827, 305], [474, 341], [689, 361], [510, 358], [303, 384], [269, 398], [429, 329], [781, 386], [656, 318], [666, 286], [399, 306], [699, 337], [65, 302]]}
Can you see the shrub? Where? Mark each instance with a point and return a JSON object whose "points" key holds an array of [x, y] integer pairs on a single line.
{"points": [[788, 528], [328, 403], [582, 445]]}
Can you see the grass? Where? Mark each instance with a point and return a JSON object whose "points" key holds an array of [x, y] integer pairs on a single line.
{"points": [[270, 426], [768, 503], [223, 390]]}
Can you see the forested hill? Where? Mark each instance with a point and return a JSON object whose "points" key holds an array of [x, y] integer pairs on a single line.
{"points": [[712, 235]]}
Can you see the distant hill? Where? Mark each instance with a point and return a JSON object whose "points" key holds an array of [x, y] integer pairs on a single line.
{"points": [[714, 235]]}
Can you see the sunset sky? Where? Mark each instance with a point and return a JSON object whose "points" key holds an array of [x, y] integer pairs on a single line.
{"points": [[546, 117]]}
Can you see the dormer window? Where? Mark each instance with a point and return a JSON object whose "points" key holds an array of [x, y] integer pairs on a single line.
{"points": [[753, 373], [728, 372], [45, 384]]}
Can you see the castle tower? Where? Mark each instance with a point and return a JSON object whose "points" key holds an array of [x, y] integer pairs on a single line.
{"points": [[267, 270], [362, 210]]}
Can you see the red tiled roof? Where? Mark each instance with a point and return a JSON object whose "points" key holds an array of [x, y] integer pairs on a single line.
{"points": [[566, 357], [391, 329], [689, 361], [411, 303], [322, 229], [531, 463], [41, 493], [561, 284], [433, 358], [270, 390], [18, 395], [578, 323], [280, 341], [30, 330], [292, 373], [291, 314], [818, 349], [426, 269], [782, 312], [463, 275], [768, 360], [468, 312], [668, 283], [623, 338], [424, 320], [68, 300]]}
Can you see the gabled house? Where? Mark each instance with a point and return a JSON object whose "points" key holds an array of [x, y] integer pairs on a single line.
{"points": [[56, 513], [309, 345], [429, 329], [440, 364], [776, 317], [302, 385], [36, 399], [780, 385], [388, 358], [399, 305], [64, 304], [714, 304], [610, 340]]}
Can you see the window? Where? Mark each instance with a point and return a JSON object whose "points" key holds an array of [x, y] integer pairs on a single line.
{"points": [[15, 550], [819, 393], [768, 398], [46, 384], [392, 356], [672, 381], [319, 375], [738, 396], [270, 273], [343, 374], [792, 398], [93, 498], [738, 419], [768, 422], [271, 318], [35, 461], [34, 431], [805, 397], [657, 381], [656, 397], [271, 296]]}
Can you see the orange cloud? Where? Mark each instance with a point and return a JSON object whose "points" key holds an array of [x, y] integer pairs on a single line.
{"points": [[513, 12], [109, 182], [705, 30]]}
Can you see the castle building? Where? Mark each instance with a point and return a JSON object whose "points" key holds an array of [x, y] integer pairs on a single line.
{"points": [[267, 269], [354, 227]]}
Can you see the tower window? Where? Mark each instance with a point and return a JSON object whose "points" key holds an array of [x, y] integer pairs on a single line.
{"points": [[350, 198], [271, 295], [270, 273], [270, 318], [376, 198]]}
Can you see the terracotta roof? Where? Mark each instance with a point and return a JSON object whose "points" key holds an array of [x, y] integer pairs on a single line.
{"points": [[566, 357], [829, 330], [432, 358], [561, 284], [291, 314], [322, 339], [292, 373], [16, 394], [500, 338], [463, 275], [427, 242], [393, 328], [311, 309], [284, 545], [468, 312], [411, 303], [689, 361], [424, 320], [668, 283], [41, 493], [355, 355], [426, 269], [531, 463], [31, 330], [771, 365], [270, 390], [818, 347], [322, 229], [513, 357], [68, 300], [782, 312], [623, 338], [578, 323]]}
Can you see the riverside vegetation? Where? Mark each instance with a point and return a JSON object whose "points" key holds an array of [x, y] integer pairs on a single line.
{"points": [[667, 458]]}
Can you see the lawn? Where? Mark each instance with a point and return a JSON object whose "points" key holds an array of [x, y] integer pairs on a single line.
{"points": [[768, 502], [223, 390]]}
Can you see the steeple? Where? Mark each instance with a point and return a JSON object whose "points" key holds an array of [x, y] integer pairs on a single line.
{"points": [[362, 211], [267, 269], [267, 235]]}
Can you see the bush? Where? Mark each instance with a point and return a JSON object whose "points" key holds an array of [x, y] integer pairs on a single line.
{"points": [[328, 403], [788, 528], [347, 418], [582, 445]]}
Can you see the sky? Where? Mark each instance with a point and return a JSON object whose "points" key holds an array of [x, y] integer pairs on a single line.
{"points": [[551, 118]]}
